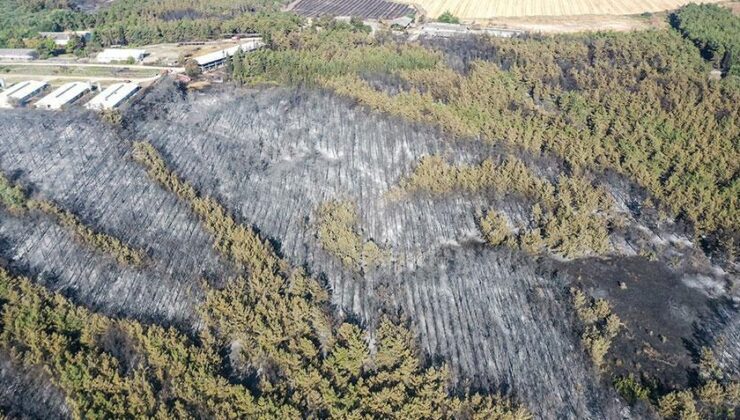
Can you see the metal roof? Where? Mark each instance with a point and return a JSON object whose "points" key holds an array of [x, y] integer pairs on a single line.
{"points": [[403, 21], [18, 52], [113, 96], [213, 57], [21, 92], [65, 34], [63, 95], [114, 54], [444, 28]]}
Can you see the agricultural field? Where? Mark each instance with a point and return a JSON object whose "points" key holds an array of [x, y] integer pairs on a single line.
{"points": [[491, 9], [366, 9], [72, 72]]}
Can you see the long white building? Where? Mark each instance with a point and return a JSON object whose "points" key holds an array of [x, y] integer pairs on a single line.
{"points": [[64, 95], [20, 93], [218, 58], [63, 38], [113, 96], [18, 54], [120, 54]]}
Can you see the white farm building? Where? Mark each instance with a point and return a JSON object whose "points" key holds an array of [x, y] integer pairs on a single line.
{"points": [[18, 54], [113, 96], [20, 93], [62, 38], [218, 58], [63, 95], [120, 54]]}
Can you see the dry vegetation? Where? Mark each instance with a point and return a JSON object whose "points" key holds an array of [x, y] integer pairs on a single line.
{"points": [[600, 326], [477, 10], [570, 217], [715, 394], [337, 225], [580, 111]]}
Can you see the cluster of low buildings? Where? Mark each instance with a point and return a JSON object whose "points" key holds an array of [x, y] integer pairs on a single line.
{"points": [[108, 55], [22, 93], [132, 55], [36, 93]]}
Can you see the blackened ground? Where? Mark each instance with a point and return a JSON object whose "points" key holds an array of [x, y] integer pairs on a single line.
{"points": [[27, 392], [666, 320]]}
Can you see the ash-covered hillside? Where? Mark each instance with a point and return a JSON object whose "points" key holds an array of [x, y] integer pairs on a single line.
{"points": [[327, 184]]}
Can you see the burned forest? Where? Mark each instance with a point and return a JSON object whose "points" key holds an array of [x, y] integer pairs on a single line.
{"points": [[349, 224], [501, 320]]}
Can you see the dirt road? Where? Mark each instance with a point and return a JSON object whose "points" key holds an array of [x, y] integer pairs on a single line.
{"points": [[47, 78], [115, 66]]}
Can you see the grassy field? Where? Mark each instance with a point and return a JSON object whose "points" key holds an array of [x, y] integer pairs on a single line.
{"points": [[491, 9], [70, 71]]}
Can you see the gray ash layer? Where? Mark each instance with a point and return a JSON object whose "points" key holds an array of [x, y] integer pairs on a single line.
{"points": [[83, 166], [272, 157]]}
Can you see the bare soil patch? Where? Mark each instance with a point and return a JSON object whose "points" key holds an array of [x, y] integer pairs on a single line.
{"points": [[572, 24], [474, 9]]}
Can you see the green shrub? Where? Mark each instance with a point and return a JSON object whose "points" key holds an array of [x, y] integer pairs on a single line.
{"points": [[599, 326], [495, 228], [337, 234], [448, 17], [631, 389]]}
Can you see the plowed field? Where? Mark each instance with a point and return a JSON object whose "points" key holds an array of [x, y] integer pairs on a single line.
{"points": [[489, 9]]}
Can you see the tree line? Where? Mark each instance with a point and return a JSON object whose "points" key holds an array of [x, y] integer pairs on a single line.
{"points": [[716, 32], [140, 22]]}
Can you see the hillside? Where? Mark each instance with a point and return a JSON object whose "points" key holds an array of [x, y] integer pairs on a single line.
{"points": [[346, 225]]}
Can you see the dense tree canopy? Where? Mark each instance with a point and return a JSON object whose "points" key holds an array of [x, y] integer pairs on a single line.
{"points": [[139, 22], [715, 30]]}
